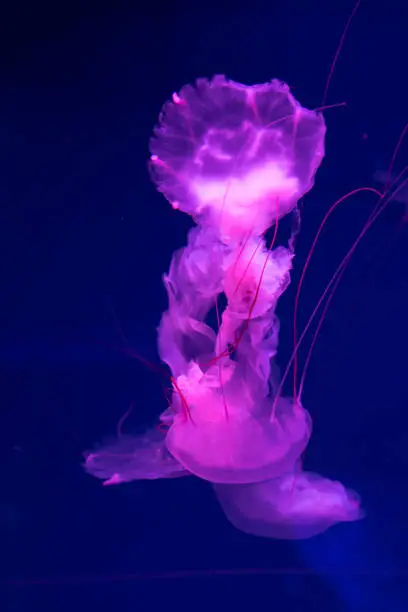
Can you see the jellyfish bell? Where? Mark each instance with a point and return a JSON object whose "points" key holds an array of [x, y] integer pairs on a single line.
{"points": [[296, 506], [222, 435], [236, 156]]}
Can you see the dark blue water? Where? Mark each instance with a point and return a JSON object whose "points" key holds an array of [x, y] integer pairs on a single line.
{"points": [[84, 241]]}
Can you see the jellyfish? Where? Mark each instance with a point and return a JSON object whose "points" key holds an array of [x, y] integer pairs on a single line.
{"points": [[237, 159]]}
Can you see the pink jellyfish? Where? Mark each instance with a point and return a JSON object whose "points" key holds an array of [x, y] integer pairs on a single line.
{"points": [[237, 159]]}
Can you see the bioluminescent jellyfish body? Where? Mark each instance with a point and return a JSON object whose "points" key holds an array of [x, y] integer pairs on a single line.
{"points": [[296, 506], [237, 159]]}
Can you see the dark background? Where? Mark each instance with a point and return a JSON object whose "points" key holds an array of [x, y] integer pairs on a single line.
{"points": [[84, 240]]}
